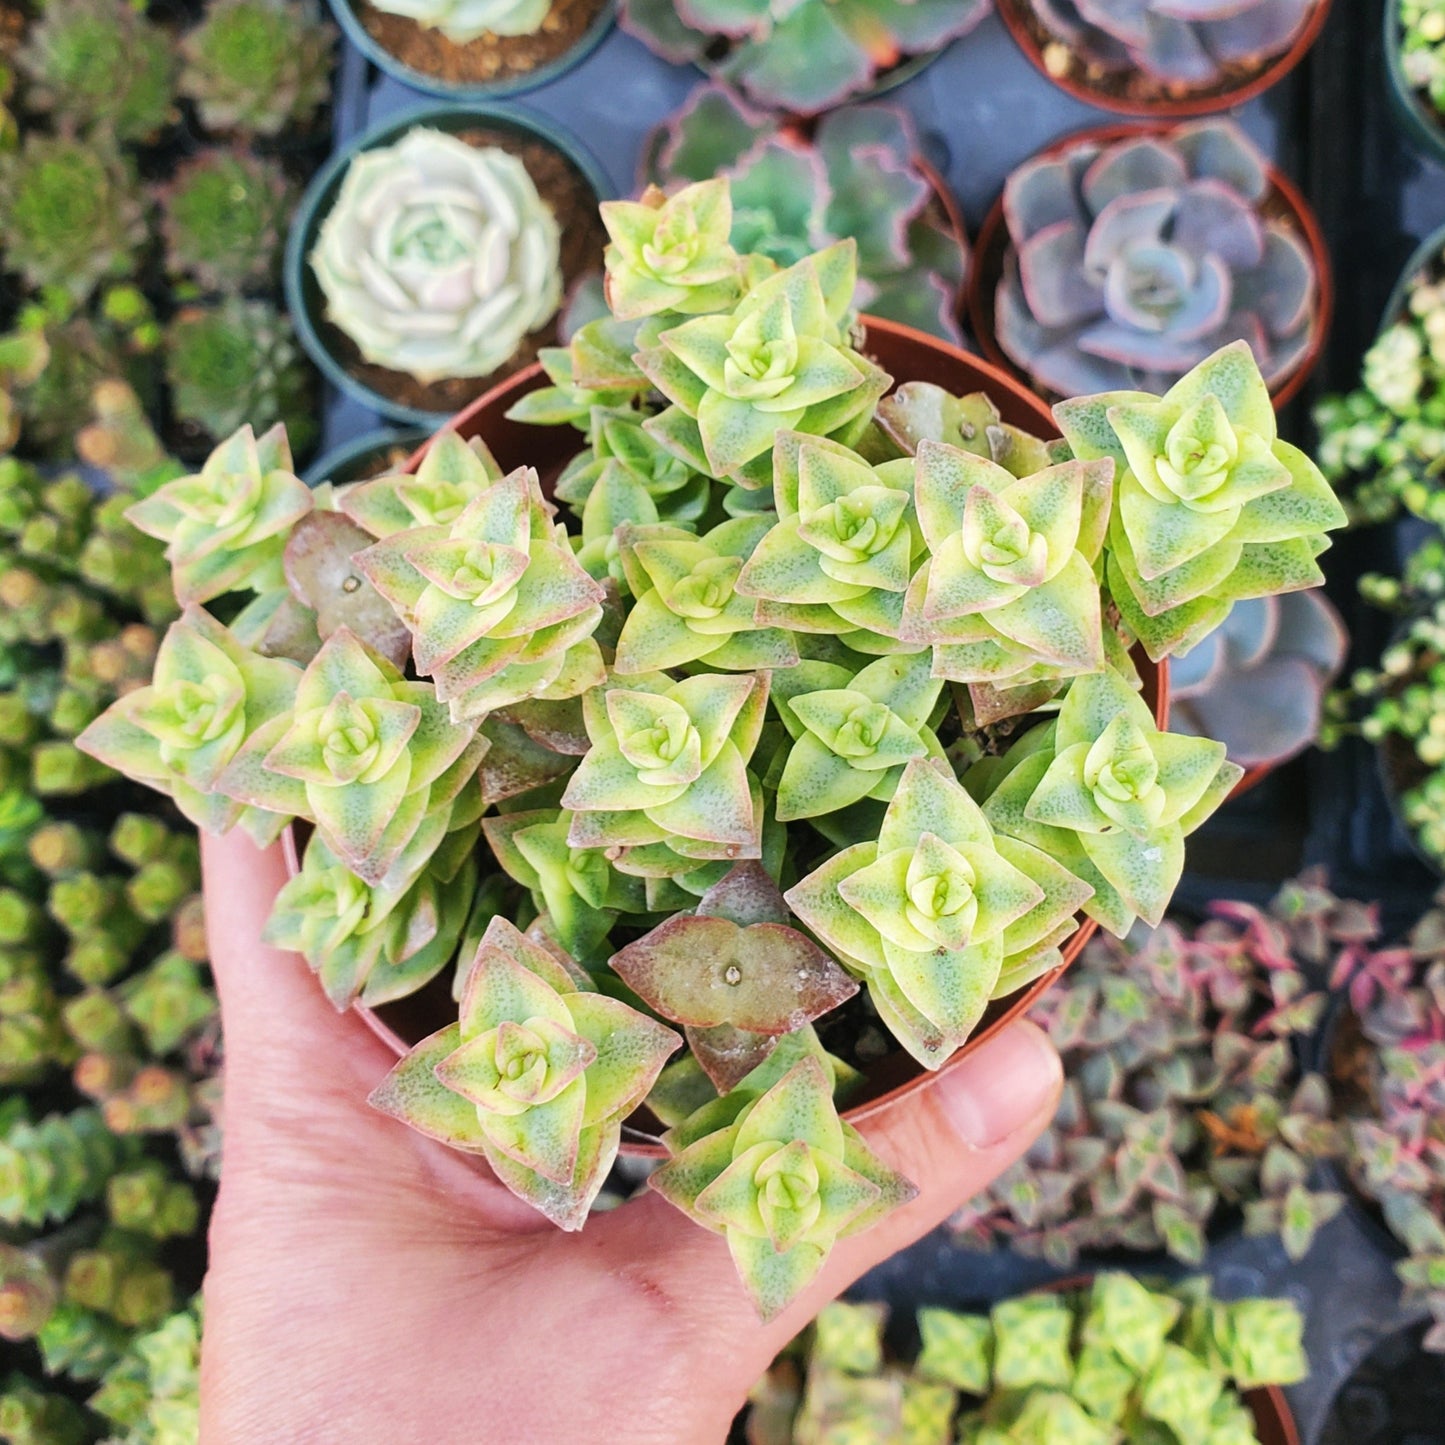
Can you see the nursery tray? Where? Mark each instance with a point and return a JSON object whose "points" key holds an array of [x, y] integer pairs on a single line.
{"points": [[981, 110]]}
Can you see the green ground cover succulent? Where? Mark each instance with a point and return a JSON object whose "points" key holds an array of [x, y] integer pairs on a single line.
{"points": [[787, 694]]}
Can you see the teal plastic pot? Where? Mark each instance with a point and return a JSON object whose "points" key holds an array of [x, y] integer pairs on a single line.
{"points": [[383, 59], [350, 461], [1425, 257], [303, 295], [1425, 128]]}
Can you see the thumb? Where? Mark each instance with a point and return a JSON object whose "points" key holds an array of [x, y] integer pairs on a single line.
{"points": [[951, 1138]]}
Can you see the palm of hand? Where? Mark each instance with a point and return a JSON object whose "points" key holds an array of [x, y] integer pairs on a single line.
{"points": [[368, 1287]]}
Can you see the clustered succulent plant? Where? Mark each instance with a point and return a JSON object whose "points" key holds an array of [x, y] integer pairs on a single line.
{"points": [[108, 1043], [1394, 1044], [801, 58], [726, 723], [91, 189], [151, 1396], [1183, 1092], [71, 213], [1422, 49], [856, 175], [1107, 1362], [1131, 260], [461, 21], [1258, 681], [100, 64], [224, 217], [1379, 443], [438, 257], [1179, 45], [255, 67]]}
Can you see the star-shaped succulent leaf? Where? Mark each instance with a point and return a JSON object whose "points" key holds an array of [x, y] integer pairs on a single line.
{"points": [[1210, 507], [1007, 595], [671, 253], [225, 527], [365, 755], [734, 974], [844, 549], [578, 888], [687, 609], [371, 944], [498, 608], [1111, 797], [207, 696], [668, 764], [616, 435], [452, 474], [778, 361], [537, 1075], [782, 1183], [852, 733], [931, 912]]}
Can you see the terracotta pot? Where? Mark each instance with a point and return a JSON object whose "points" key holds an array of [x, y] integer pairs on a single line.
{"points": [[1284, 201], [907, 355], [1273, 1419], [1018, 13]]}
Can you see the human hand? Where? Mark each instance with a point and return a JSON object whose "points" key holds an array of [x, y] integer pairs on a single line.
{"points": [[369, 1287]]}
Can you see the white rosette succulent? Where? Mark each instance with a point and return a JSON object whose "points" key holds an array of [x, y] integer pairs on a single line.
{"points": [[438, 257], [464, 20]]}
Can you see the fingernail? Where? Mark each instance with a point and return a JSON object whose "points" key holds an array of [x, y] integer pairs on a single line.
{"points": [[1001, 1087]]}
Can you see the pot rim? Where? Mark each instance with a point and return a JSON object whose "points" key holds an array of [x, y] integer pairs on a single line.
{"points": [[1430, 252], [320, 195], [1186, 106], [334, 458], [1422, 124], [636, 1143], [994, 241], [470, 91]]}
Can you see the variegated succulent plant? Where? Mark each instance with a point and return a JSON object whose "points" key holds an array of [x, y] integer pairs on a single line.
{"points": [[1131, 260], [857, 175], [701, 734], [1079, 1367], [801, 58], [1180, 45], [1184, 1096]]}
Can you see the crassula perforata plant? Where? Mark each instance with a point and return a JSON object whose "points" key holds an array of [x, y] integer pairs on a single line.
{"points": [[729, 747], [1111, 1361]]}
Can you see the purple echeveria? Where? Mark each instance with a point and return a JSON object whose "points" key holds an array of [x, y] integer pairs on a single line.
{"points": [[1130, 262]]}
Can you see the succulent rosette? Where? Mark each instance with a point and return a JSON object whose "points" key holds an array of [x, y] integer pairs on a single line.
{"points": [[672, 253], [1211, 505], [1007, 595], [782, 1181], [933, 913], [208, 696], [372, 759], [498, 608], [669, 765], [844, 550], [778, 361], [537, 1075], [452, 474], [462, 21], [852, 732], [1110, 796], [226, 527], [686, 607], [1134, 260], [369, 943], [438, 257]]}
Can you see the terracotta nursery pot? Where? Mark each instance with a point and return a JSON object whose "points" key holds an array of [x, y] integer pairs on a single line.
{"points": [[907, 355], [1093, 86], [1285, 202]]}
